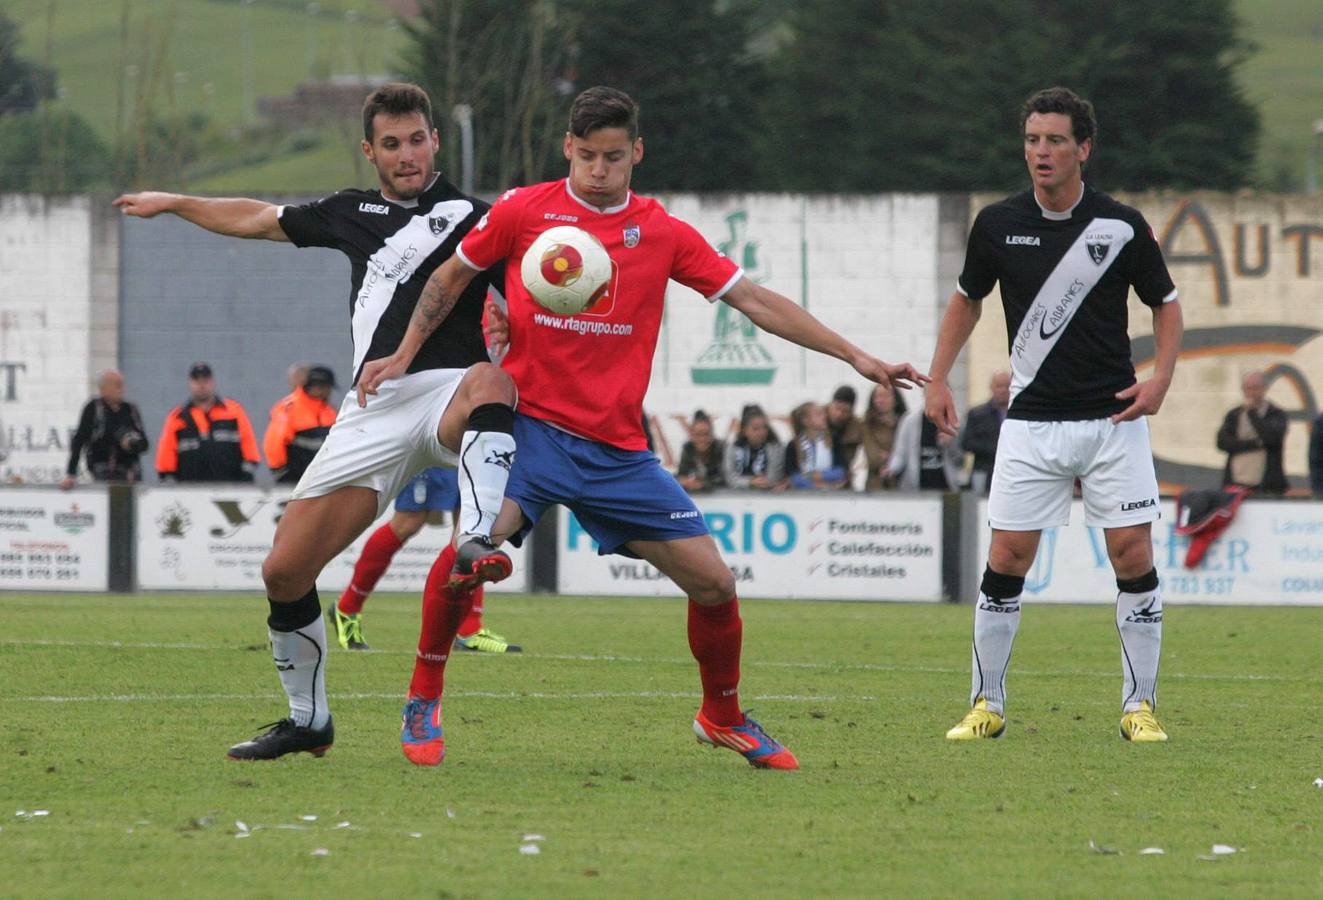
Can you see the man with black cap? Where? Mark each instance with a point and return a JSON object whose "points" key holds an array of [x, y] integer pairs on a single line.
{"points": [[207, 438], [299, 425], [847, 432]]}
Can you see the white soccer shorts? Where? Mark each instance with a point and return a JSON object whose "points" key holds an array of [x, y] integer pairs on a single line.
{"points": [[383, 445], [1038, 462]]}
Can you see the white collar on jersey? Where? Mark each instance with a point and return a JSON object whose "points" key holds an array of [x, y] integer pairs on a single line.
{"points": [[604, 210], [1059, 216], [410, 204]]}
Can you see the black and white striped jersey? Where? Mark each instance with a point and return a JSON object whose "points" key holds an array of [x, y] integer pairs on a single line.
{"points": [[1064, 279], [393, 247]]}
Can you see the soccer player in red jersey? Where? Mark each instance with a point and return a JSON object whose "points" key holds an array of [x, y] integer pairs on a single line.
{"points": [[581, 382]]}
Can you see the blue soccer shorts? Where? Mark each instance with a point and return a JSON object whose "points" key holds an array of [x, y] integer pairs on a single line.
{"points": [[431, 489], [617, 495]]}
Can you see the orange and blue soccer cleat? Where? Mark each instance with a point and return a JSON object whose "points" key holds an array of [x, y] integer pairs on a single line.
{"points": [[478, 561], [748, 740], [421, 737]]}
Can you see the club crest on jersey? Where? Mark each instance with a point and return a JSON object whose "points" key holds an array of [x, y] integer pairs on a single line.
{"points": [[633, 234], [1098, 252], [439, 224]]}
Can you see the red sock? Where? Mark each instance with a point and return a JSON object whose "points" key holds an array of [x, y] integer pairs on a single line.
{"points": [[443, 609], [473, 621], [715, 635], [374, 560]]}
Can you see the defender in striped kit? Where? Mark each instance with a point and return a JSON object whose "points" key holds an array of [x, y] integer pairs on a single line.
{"points": [[1065, 257], [450, 406]]}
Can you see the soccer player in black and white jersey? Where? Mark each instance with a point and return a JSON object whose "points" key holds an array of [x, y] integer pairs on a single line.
{"points": [[1065, 257], [450, 408]]}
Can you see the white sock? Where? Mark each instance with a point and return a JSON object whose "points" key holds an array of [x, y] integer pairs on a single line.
{"points": [[1139, 623], [300, 657], [995, 624], [485, 458]]}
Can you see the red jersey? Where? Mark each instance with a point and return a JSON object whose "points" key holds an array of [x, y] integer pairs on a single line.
{"points": [[588, 373]]}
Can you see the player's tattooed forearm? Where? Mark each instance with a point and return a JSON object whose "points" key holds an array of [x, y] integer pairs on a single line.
{"points": [[434, 304]]}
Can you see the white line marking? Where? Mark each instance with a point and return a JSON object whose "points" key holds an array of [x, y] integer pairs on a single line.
{"points": [[482, 695], [686, 661]]}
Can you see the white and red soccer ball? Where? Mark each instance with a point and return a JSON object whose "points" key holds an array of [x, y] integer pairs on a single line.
{"points": [[566, 270]]}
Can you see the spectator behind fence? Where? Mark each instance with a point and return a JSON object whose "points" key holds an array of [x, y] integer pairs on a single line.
{"points": [[847, 432], [809, 456], [756, 458], [1252, 435], [700, 458], [207, 438], [110, 431], [924, 459], [299, 425], [886, 406], [983, 427]]}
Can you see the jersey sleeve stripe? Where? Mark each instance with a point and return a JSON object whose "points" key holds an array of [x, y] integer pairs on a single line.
{"points": [[1172, 296], [463, 257], [725, 288]]}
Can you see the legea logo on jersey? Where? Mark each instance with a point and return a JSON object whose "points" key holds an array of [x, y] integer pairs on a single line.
{"points": [[735, 355], [380, 209]]}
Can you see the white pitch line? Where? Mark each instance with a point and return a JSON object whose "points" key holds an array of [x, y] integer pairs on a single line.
{"points": [[482, 695], [686, 661]]}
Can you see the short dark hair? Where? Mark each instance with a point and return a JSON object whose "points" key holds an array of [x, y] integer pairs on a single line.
{"points": [[1083, 123], [603, 107], [395, 98]]}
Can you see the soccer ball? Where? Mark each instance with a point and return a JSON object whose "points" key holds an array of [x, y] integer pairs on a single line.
{"points": [[566, 269]]}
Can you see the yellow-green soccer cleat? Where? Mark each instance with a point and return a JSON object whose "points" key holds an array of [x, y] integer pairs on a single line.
{"points": [[1140, 725], [484, 641], [979, 722], [348, 630]]}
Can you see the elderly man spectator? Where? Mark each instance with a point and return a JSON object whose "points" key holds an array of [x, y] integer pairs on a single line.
{"points": [[983, 427], [110, 431], [207, 438], [1252, 436]]}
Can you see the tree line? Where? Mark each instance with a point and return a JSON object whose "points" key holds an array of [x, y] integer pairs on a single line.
{"points": [[760, 95]]}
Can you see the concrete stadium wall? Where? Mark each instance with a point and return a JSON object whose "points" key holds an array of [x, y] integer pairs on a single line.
{"points": [[875, 268], [85, 289], [58, 309], [249, 308]]}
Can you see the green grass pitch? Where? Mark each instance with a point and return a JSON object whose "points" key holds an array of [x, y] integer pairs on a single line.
{"points": [[117, 710]]}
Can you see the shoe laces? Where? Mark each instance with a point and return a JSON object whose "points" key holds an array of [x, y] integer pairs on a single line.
{"points": [[278, 727], [416, 720], [1142, 719], [751, 726]]}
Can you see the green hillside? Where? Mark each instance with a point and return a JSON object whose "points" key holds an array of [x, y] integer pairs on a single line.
{"points": [[1284, 78], [218, 57]]}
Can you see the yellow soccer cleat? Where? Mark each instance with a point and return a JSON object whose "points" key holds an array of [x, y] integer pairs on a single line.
{"points": [[1140, 725], [979, 722]]}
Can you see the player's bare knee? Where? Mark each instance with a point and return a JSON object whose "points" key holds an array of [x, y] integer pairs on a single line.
{"points": [[284, 582], [713, 588], [487, 383]]}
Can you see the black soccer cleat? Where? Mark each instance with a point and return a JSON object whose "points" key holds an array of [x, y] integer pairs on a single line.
{"points": [[285, 737], [477, 562]]}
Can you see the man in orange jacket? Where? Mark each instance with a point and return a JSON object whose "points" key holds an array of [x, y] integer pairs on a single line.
{"points": [[208, 438], [299, 425]]}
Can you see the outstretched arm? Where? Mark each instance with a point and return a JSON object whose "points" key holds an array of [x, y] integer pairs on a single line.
{"points": [[236, 217], [437, 299], [784, 318], [958, 322]]}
